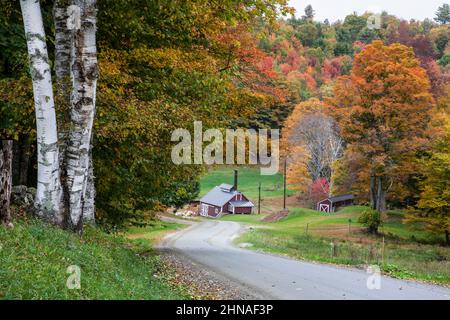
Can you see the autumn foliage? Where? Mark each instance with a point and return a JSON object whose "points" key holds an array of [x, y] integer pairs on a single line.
{"points": [[383, 108]]}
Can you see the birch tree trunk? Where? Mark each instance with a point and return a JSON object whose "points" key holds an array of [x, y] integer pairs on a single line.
{"points": [[89, 197], [63, 45], [6, 153], [48, 196], [63, 52], [84, 78]]}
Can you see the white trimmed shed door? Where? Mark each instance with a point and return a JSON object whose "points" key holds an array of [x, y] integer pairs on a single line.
{"points": [[324, 207]]}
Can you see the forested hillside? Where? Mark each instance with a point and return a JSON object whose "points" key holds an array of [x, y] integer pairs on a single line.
{"points": [[371, 110], [364, 107]]}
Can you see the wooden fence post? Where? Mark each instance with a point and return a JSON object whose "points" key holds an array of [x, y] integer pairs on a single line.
{"points": [[259, 198], [334, 249]]}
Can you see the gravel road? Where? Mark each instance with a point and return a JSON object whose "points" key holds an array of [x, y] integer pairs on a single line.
{"points": [[209, 245]]}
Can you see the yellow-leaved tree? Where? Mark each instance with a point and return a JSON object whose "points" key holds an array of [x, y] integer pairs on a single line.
{"points": [[433, 208]]}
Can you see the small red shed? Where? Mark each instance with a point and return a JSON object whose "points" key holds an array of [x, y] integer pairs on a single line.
{"points": [[333, 203]]}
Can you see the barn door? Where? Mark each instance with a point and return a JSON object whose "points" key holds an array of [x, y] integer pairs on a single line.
{"points": [[324, 207]]}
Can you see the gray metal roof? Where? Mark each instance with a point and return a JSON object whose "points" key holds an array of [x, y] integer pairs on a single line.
{"points": [[226, 187], [242, 204], [342, 198], [218, 196]]}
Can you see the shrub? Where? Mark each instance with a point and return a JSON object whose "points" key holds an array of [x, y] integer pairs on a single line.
{"points": [[371, 219]]}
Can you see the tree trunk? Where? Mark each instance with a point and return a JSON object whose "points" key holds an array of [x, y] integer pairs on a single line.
{"points": [[16, 163], [48, 196], [85, 73], [382, 200], [373, 194], [63, 44], [6, 153], [63, 50], [63, 55], [89, 198], [381, 197], [379, 192], [447, 237], [25, 153]]}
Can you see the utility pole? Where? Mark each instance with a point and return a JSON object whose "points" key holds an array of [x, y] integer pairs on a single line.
{"points": [[259, 199], [284, 191]]}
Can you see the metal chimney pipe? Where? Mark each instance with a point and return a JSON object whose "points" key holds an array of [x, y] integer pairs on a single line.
{"points": [[235, 185]]}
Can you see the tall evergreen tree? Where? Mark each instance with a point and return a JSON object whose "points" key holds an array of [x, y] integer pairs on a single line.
{"points": [[443, 14]]}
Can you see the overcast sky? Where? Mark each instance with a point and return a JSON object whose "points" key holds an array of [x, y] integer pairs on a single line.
{"points": [[338, 9]]}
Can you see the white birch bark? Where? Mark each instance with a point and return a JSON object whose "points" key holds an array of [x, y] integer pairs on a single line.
{"points": [[84, 77], [48, 196]]}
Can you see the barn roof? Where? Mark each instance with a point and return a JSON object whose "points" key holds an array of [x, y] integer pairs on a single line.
{"points": [[242, 204], [218, 196], [342, 198]]}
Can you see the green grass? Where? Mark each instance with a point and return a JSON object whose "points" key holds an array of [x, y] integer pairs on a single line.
{"points": [[307, 234], [34, 258], [153, 232], [248, 181]]}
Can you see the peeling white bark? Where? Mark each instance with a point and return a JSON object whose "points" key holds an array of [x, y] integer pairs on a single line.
{"points": [[84, 81], [48, 196]]}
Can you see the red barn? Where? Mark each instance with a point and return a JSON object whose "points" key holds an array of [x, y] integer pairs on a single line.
{"points": [[224, 199]]}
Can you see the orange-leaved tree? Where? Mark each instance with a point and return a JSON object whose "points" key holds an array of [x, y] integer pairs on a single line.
{"points": [[383, 109]]}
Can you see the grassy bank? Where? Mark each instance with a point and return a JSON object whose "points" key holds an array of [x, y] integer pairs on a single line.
{"points": [[307, 234], [149, 235], [34, 258]]}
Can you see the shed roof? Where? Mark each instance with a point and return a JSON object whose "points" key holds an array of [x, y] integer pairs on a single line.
{"points": [[218, 196], [242, 204], [342, 198]]}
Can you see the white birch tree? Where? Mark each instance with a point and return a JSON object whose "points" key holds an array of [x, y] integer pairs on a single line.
{"points": [[48, 196], [66, 189], [84, 69]]}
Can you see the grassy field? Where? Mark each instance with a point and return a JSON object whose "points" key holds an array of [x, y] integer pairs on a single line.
{"points": [[248, 182], [34, 258], [308, 234]]}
